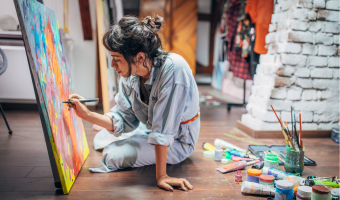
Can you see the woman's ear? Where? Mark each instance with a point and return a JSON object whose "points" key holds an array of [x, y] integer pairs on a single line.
{"points": [[140, 57]]}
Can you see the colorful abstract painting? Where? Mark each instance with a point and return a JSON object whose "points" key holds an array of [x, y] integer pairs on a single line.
{"points": [[45, 51]]}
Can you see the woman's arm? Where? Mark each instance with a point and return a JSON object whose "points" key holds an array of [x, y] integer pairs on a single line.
{"points": [[163, 180], [83, 112]]}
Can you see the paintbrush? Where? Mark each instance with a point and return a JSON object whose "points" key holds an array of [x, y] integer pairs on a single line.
{"points": [[288, 129], [83, 100], [291, 114], [284, 135], [300, 135], [284, 131], [297, 139]]}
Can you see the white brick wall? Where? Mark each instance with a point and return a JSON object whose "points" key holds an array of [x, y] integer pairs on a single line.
{"points": [[321, 73], [301, 68], [309, 95], [327, 50], [304, 83], [309, 49], [317, 61], [324, 38], [332, 5], [328, 15], [302, 72]]}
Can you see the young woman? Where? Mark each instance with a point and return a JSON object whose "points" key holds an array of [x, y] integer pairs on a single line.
{"points": [[156, 89]]}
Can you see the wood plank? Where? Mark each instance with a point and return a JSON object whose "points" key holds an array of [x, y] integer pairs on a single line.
{"points": [[278, 134], [16, 172], [84, 7], [102, 56]]}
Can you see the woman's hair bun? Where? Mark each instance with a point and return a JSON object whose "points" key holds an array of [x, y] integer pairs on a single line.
{"points": [[154, 23]]}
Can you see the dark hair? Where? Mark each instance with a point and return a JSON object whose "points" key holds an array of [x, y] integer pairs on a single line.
{"points": [[131, 36]]}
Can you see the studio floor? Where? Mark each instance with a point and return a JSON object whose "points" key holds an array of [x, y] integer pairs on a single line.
{"points": [[25, 171]]}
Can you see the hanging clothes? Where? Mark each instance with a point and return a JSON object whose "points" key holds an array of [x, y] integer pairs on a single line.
{"points": [[242, 39], [223, 25], [238, 65], [260, 12]]}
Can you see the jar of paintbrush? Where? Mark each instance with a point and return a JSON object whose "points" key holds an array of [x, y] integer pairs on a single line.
{"points": [[294, 162]]}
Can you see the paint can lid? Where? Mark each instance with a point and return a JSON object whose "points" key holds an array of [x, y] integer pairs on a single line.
{"points": [[304, 191], [254, 172], [284, 184], [335, 192], [223, 160], [209, 154], [320, 189], [267, 178]]}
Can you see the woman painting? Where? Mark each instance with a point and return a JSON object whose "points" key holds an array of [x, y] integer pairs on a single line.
{"points": [[156, 89]]}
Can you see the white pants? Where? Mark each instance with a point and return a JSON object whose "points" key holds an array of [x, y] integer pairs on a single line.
{"points": [[136, 152]]}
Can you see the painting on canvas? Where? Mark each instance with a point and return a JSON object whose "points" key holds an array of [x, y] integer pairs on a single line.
{"points": [[64, 132]]}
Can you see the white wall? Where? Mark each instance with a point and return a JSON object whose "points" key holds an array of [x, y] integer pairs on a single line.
{"points": [[203, 34], [84, 52]]}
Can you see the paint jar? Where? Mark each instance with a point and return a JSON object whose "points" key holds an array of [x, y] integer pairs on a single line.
{"points": [[304, 193], [335, 193], [218, 153], [294, 161], [321, 192], [267, 180], [271, 161], [238, 176], [284, 190], [256, 189], [295, 180], [253, 175]]}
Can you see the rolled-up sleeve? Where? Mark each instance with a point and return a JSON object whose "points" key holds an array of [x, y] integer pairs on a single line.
{"points": [[168, 111], [122, 115]]}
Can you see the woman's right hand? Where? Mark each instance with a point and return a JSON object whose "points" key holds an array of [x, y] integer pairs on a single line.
{"points": [[80, 108]]}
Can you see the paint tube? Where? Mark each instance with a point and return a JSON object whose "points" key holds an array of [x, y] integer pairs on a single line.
{"points": [[256, 189], [239, 154], [317, 182], [208, 147], [258, 165], [222, 143], [280, 175], [326, 179], [235, 166]]}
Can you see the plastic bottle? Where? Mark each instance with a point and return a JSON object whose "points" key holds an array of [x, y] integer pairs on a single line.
{"points": [[271, 161], [238, 176], [218, 153]]}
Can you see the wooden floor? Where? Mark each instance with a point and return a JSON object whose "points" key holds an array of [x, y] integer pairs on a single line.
{"points": [[25, 171]]}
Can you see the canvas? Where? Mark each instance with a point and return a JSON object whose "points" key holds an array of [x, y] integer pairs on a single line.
{"points": [[64, 132]]}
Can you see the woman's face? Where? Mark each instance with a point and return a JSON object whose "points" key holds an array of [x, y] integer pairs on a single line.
{"points": [[121, 65]]}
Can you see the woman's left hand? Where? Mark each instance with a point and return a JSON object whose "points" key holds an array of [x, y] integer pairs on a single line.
{"points": [[166, 182]]}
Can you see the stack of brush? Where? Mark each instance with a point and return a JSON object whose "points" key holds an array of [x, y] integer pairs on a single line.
{"points": [[293, 139]]}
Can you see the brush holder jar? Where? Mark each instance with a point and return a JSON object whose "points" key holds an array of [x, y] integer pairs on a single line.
{"points": [[294, 162]]}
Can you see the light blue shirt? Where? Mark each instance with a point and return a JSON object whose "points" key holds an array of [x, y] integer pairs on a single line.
{"points": [[173, 99]]}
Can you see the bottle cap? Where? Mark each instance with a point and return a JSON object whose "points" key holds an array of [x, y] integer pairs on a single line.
{"points": [[254, 172], [305, 191], [267, 178], [223, 160], [218, 148], [335, 192], [320, 189], [284, 184]]}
